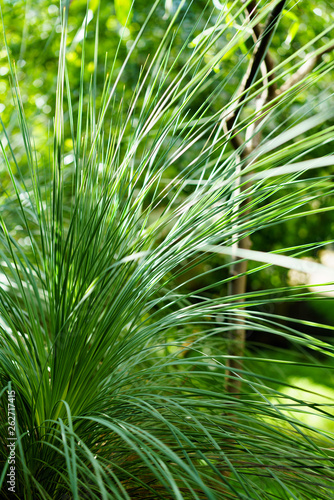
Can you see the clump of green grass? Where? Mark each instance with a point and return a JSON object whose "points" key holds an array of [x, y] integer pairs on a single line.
{"points": [[117, 364]]}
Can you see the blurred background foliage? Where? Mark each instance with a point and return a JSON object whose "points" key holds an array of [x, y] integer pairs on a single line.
{"points": [[33, 30]]}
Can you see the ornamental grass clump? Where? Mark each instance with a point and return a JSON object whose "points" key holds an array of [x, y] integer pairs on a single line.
{"points": [[120, 333]]}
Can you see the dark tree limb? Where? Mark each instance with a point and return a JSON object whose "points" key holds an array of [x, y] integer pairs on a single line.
{"points": [[238, 270], [268, 60], [258, 58], [237, 286]]}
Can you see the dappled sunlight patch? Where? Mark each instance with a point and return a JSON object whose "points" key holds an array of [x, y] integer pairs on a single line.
{"points": [[315, 281], [309, 402]]}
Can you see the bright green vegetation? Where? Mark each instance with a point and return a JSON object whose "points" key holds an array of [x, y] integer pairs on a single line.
{"points": [[118, 220]]}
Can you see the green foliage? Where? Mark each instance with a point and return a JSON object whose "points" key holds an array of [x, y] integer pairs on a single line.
{"points": [[123, 11], [112, 335]]}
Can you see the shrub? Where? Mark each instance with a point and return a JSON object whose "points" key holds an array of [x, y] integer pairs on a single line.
{"points": [[116, 351]]}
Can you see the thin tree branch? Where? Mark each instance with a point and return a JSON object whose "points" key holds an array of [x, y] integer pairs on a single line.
{"points": [[237, 286], [303, 71], [253, 139], [268, 60], [239, 268], [258, 58]]}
